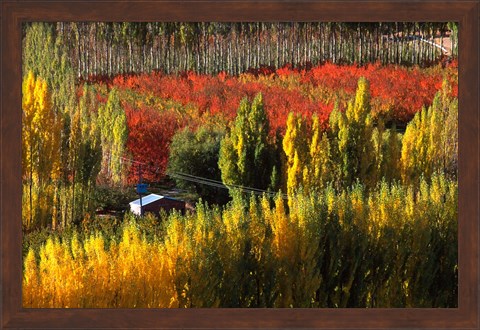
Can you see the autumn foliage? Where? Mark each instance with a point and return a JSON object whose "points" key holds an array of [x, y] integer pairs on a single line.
{"points": [[349, 232], [149, 136], [327, 250], [157, 105], [309, 182]]}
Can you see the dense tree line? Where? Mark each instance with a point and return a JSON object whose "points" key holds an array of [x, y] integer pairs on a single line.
{"points": [[353, 212], [114, 48], [88, 139], [68, 137], [349, 249], [356, 147]]}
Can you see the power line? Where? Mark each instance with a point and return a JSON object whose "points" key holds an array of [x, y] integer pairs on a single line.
{"points": [[202, 180], [220, 184]]}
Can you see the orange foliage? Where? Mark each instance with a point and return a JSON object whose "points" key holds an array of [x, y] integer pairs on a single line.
{"points": [[193, 99]]}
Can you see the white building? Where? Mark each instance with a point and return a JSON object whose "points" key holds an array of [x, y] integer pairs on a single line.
{"points": [[155, 203]]}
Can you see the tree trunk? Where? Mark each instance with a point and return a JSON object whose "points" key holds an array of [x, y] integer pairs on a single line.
{"points": [[30, 186]]}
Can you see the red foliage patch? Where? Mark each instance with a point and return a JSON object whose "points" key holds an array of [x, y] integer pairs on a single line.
{"points": [[397, 90], [149, 135]]}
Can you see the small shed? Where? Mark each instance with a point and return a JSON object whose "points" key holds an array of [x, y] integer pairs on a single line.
{"points": [[154, 203]]}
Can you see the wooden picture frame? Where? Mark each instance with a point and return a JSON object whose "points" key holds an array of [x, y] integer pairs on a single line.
{"points": [[14, 13]]}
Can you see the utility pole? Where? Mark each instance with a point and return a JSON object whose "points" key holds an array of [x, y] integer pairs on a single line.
{"points": [[141, 187], [140, 190]]}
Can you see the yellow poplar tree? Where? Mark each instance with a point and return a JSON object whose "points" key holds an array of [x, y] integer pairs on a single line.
{"points": [[29, 142], [30, 281], [320, 166], [283, 248], [295, 148], [424, 144], [306, 273], [40, 150]]}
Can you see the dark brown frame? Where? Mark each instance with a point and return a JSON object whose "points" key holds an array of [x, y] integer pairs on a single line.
{"points": [[13, 13]]}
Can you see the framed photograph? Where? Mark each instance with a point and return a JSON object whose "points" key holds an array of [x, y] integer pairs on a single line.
{"points": [[240, 164]]}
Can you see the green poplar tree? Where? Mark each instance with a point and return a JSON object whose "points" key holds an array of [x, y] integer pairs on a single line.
{"points": [[355, 128], [85, 154], [113, 130], [245, 151]]}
